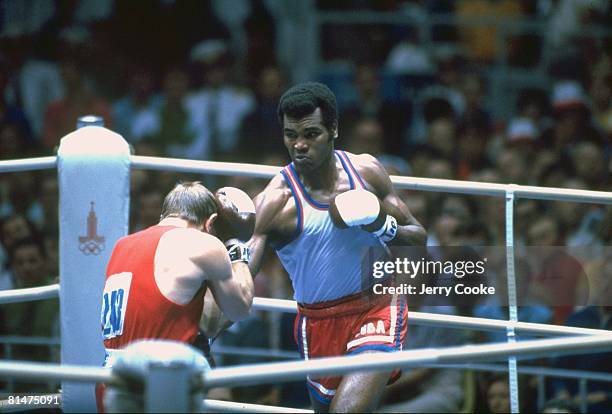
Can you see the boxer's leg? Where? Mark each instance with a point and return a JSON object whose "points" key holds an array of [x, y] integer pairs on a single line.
{"points": [[359, 392]]}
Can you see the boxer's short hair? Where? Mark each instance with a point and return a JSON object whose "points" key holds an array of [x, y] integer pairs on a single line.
{"points": [[304, 98], [189, 201]]}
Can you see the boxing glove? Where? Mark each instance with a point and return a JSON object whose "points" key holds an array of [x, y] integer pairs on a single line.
{"points": [[361, 208], [236, 215]]}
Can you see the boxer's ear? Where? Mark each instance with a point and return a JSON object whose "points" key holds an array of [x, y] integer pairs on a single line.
{"points": [[209, 224]]}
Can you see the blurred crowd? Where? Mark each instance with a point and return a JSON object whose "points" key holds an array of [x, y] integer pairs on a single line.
{"points": [[202, 79]]}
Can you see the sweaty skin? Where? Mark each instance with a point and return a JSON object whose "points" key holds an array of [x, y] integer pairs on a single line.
{"points": [[187, 257], [311, 147]]}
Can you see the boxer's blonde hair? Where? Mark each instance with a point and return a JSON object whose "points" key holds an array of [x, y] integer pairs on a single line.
{"points": [[190, 201]]}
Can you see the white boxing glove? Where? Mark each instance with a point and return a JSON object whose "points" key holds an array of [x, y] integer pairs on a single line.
{"points": [[362, 208]]}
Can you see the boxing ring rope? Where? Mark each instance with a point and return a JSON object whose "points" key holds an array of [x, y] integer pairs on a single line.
{"points": [[294, 370], [452, 321], [408, 183], [267, 171], [418, 318], [217, 406], [28, 164], [29, 294], [532, 370]]}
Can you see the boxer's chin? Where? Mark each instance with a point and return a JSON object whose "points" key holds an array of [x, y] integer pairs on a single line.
{"points": [[304, 166]]}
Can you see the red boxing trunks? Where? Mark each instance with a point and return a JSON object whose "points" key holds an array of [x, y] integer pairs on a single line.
{"points": [[348, 326]]}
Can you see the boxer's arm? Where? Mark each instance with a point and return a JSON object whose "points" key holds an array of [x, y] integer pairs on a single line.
{"points": [[269, 205], [231, 283], [213, 321], [410, 231]]}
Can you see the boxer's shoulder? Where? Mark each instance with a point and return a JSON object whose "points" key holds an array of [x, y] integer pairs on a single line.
{"points": [[190, 242], [370, 169], [275, 196], [274, 206]]}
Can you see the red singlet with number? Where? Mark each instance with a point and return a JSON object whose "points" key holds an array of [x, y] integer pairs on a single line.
{"points": [[133, 307]]}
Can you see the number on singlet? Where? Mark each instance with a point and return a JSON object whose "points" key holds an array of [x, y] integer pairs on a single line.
{"points": [[114, 304]]}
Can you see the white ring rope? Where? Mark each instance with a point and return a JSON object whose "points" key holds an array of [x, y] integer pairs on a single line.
{"points": [[417, 318], [413, 183], [28, 164], [525, 369], [204, 167], [217, 406], [29, 294], [295, 370], [452, 321], [53, 372], [267, 171]]}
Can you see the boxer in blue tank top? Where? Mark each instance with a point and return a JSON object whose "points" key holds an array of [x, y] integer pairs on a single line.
{"points": [[324, 260]]}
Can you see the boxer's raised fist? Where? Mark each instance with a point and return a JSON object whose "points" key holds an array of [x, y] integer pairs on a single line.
{"points": [[361, 208], [236, 215]]}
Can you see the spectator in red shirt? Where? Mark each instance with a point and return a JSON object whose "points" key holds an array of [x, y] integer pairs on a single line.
{"points": [[80, 99]]}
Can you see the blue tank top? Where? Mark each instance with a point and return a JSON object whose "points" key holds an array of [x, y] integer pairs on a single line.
{"points": [[324, 262]]}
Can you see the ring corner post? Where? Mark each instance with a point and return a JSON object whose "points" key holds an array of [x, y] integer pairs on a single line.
{"points": [[94, 195]]}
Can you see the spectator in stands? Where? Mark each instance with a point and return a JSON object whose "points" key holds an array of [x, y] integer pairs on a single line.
{"points": [[497, 394], [512, 167], [49, 201], [393, 116], [530, 308], [559, 405], [367, 137], [566, 21], [13, 143], [572, 119], [604, 232], [560, 278], [522, 133], [22, 197], [601, 97], [11, 114], [473, 139], [431, 108], [451, 67], [80, 99], [589, 162], [35, 79], [454, 211], [442, 138], [473, 89], [135, 114], [217, 110], [409, 57], [490, 210], [147, 207], [599, 397], [260, 132], [480, 40], [581, 221], [533, 104], [51, 247], [12, 229], [426, 390], [172, 132], [39, 318]]}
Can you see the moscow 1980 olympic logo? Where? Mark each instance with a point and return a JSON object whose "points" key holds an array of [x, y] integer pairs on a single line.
{"points": [[92, 243]]}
